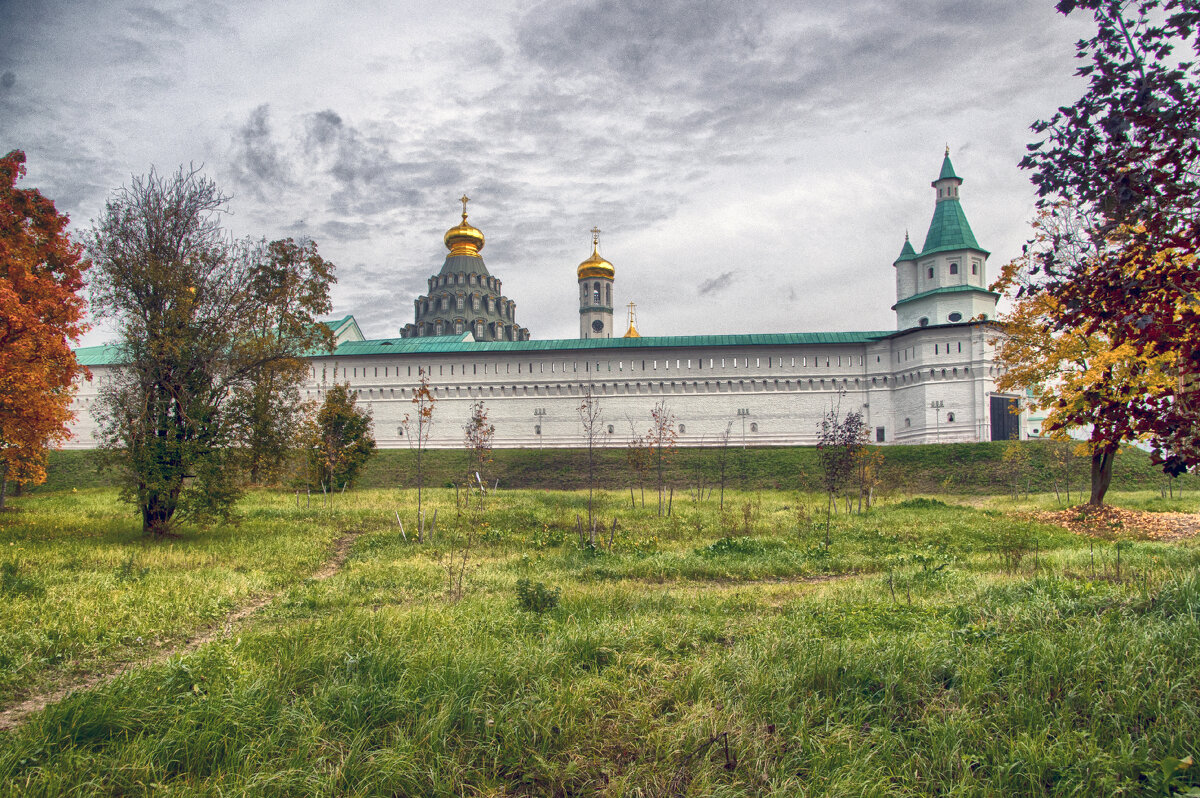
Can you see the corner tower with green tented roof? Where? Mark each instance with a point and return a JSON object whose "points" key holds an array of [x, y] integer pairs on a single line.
{"points": [[946, 283]]}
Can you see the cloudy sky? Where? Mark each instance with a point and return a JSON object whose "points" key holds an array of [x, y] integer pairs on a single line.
{"points": [[753, 164]]}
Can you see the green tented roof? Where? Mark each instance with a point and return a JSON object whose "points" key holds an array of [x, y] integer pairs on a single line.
{"points": [[906, 252], [949, 230], [950, 289], [947, 169]]}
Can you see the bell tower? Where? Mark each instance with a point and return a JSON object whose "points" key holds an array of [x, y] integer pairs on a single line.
{"points": [[596, 293]]}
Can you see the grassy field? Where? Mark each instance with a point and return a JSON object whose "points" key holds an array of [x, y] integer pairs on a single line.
{"points": [[930, 649]]}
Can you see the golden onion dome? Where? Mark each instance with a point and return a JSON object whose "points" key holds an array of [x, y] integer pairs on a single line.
{"points": [[596, 266], [464, 239]]}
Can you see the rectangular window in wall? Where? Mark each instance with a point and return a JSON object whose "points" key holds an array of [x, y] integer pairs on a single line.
{"points": [[879, 435]]}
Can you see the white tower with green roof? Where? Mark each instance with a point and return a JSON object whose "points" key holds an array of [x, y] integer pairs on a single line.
{"points": [[946, 283]]}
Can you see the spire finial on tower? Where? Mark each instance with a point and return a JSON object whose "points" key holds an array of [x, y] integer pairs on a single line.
{"points": [[947, 149], [632, 332], [906, 234], [464, 199], [596, 238]]}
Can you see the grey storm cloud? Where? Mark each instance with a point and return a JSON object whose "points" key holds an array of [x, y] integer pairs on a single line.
{"points": [[637, 40], [715, 284], [8, 79], [257, 161], [321, 129]]}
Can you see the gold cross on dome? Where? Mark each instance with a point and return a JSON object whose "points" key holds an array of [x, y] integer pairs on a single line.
{"points": [[464, 199], [595, 236]]}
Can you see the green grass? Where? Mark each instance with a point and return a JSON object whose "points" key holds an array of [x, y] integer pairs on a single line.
{"points": [[930, 649], [79, 584]]}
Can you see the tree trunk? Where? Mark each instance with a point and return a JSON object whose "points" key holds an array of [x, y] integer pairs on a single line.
{"points": [[3, 483], [1102, 471], [158, 508]]}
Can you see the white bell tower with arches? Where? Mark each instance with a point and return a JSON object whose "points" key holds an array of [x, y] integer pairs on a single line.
{"points": [[596, 293]]}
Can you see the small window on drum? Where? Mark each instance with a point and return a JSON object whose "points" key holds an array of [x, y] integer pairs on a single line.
{"points": [[610, 429], [949, 418], [954, 268], [924, 321], [682, 428], [754, 427], [955, 316]]}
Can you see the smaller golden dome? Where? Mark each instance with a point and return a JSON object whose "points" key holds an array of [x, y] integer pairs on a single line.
{"points": [[596, 266], [463, 239], [632, 332]]}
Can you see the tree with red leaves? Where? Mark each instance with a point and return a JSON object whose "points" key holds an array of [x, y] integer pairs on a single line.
{"points": [[1125, 157], [41, 314]]}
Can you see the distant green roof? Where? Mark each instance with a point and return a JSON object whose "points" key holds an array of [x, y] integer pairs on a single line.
{"points": [[336, 324], [947, 168], [906, 252], [949, 230], [950, 289], [446, 343], [105, 355]]}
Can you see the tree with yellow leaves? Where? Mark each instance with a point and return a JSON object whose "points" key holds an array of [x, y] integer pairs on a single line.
{"points": [[1081, 379]]}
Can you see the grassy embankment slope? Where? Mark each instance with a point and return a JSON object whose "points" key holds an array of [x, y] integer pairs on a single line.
{"points": [[930, 649], [976, 468]]}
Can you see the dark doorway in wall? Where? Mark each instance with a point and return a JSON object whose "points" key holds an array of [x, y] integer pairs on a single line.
{"points": [[1006, 424]]}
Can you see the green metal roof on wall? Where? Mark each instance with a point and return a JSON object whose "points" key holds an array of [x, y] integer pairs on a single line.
{"points": [[453, 344], [949, 230], [449, 344], [106, 355], [949, 289]]}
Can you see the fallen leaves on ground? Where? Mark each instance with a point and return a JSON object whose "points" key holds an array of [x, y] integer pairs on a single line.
{"points": [[1108, 523]]}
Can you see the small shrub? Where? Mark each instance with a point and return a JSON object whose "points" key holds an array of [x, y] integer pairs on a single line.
{"points": [[128, 572], [731, 545], [547, 536], [535, 596], [921, 503]]}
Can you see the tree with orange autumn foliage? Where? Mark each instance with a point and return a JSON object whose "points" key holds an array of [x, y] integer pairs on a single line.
{"points": [[1125, 158], [41, 313], [1080, 379]]}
